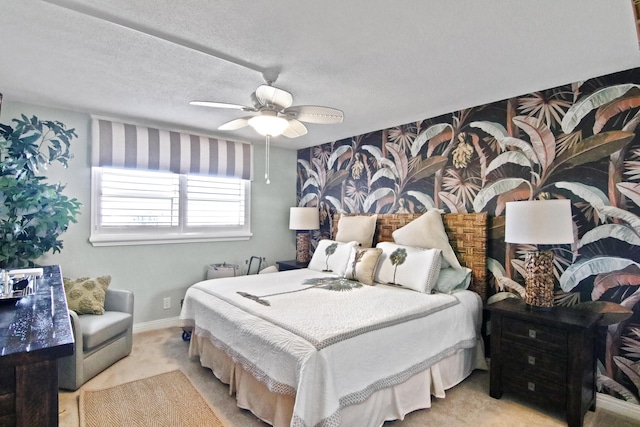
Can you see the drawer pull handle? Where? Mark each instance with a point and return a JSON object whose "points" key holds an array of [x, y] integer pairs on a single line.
{"points": [[531, 360], [531, 386], [532, 333]]}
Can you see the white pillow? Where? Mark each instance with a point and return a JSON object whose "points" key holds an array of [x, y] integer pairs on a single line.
{"points": [[331, 256], [360, 228], [452, 280], [270, 269], [409, 267], [427, 231]]}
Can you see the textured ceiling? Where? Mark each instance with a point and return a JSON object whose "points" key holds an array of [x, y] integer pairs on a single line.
{"points": [[383, 63]]}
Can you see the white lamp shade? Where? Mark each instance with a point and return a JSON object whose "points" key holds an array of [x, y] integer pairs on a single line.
{"points": [[304, 219], [271, 125], [539, 222]]}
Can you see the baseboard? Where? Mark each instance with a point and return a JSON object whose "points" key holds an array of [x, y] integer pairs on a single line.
{"points": [[618, 406], [156, 324]]}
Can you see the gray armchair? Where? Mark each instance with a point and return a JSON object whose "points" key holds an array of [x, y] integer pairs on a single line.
{"points": [[100, 340]]}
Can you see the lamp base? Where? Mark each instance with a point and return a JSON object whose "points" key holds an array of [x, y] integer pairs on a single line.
{"points": [[302, 247], [539, 280]]}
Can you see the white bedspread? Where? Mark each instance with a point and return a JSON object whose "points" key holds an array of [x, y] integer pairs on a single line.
{"points": [[330, 348]]}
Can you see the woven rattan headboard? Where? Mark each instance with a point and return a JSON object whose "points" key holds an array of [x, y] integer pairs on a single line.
{"points": [[467, 234]]}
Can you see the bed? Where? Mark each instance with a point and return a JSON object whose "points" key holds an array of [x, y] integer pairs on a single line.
{"points": [[297, 354]]}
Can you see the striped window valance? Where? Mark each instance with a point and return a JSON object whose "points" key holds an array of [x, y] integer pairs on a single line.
{"points": [[130, 146]]}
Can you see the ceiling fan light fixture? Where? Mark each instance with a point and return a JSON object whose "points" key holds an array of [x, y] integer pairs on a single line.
{"points": [[267, 124]]}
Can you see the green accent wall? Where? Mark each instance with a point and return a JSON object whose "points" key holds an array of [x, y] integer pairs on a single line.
{"points": [[154, 272]]}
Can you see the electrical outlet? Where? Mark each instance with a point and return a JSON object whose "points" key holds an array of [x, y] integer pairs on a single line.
{"points": [[166, 303]]}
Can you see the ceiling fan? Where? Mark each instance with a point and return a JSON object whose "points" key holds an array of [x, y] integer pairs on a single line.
{"points": [[274, 114]]}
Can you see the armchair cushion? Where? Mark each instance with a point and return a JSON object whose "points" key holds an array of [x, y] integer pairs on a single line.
{"points": [[98, 329]]}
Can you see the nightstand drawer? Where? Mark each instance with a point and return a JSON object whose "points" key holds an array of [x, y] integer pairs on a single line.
{"points": [[544, 393], [535, 335], [533, 362]]}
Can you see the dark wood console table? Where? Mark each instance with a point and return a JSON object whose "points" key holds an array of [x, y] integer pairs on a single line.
{"points": [[34, 332]]}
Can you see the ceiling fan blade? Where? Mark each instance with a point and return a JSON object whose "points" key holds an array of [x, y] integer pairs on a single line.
{"points": [[295, 129], [315, 114], [221, 105], [235, 124], [269, 95]]}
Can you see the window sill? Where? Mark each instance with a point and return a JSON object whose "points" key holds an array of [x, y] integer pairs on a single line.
{"points": [[161, 239]]}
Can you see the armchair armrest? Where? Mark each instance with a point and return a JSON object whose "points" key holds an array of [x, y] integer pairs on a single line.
{"points": [[76, 329], [70, 367], [119, 300]]}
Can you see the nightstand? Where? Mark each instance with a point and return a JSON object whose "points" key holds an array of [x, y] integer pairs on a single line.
{"points": [[291, 265], [546, 356]]}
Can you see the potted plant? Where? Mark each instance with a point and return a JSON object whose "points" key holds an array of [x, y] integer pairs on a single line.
{"points": [[33, 213]]}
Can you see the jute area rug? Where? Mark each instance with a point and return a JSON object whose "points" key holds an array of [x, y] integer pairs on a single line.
{"points": [[167, 399]]}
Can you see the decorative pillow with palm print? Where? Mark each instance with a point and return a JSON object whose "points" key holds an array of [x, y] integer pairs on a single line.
{"points": [[362, 265], [331, 256], [409, 267]]}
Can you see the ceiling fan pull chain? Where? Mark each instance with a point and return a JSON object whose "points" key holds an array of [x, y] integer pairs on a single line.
{"points": [[266, 161]]}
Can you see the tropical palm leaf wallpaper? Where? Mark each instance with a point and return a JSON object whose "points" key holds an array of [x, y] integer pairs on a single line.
{"points": [[576, 141]]}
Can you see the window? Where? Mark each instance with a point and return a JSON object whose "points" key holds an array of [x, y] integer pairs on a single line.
{"points": [[160, 186], [131, 206]]}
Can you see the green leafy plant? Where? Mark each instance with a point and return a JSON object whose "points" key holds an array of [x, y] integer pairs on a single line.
{"points": [[33, 213]]}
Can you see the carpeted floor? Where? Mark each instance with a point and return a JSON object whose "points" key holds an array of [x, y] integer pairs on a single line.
{"points": [[467, 404]]}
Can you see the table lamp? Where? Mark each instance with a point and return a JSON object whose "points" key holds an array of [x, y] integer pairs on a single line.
{"points": [[302, 220], [539, 222]]}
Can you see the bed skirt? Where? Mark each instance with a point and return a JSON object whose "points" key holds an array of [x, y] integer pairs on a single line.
{"points": [[391, 403]]}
